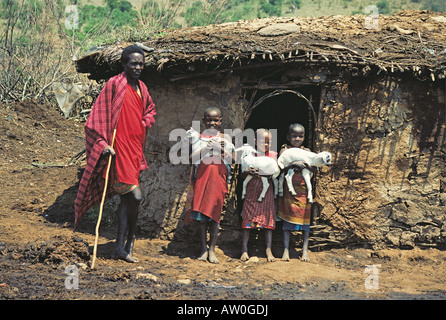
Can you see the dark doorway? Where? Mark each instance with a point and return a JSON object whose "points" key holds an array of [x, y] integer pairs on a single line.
{"points": [[278, 109]]}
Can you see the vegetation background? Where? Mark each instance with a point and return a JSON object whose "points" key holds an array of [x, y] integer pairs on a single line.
{"points": [[40, 39]]}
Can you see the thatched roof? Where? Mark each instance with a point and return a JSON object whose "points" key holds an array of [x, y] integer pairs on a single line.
{"points": [[410, 41]]}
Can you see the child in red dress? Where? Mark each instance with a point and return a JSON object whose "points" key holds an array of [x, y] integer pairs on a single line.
{"points": [[210, 186]]}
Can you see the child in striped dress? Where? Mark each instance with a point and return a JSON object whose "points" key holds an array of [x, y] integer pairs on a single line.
{"points": [[257, 214]]}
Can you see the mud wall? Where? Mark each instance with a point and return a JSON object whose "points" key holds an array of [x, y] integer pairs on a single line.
{"points": [[387, 183]]}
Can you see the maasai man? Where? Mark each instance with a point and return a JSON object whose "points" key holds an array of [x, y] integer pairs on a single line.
{"points": [[124, 104]]}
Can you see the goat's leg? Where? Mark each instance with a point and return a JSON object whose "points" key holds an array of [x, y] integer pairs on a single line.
{"points": [[245, 183], [306, 174], [265, 188], [281, 177], [289, 181], [276, 186]]}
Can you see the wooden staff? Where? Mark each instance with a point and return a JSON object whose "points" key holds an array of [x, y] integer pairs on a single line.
{"points": [[102, 204]]}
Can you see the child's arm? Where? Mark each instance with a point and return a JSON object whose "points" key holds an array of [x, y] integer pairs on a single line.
{"points": [[201, 152], [300, 165], [250, 171]]}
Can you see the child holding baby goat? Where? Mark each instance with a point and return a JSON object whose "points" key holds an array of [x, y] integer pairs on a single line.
{"points": [[209, 184], [259, 212], [294, 210]]}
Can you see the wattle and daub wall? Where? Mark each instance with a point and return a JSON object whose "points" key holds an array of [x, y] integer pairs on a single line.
{"points": [[386, 185]]}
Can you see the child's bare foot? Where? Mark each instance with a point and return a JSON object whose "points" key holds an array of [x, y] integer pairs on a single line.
{"points": [[213, 257], [286, 255], [203, 256], [244, 256], [269, 256], [305, 256]]}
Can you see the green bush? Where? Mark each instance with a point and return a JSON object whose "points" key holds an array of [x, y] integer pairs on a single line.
{"points": [[271, 8], [435, 5], [383, 7]]}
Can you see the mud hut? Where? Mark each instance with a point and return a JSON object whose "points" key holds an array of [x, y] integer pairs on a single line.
{"points": [[372, 94]]}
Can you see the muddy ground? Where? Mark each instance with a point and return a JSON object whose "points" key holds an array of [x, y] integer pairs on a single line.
{"points": [[38, 245]]}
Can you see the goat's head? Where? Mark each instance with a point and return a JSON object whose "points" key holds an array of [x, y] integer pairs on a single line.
{"points": [[326, 158], [192, 135], [245, 150]]}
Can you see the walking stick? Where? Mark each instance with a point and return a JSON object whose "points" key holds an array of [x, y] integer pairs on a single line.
{"points": [[102, 204]]}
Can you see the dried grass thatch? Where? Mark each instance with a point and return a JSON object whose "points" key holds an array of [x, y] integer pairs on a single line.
{"points": [[410, 41]]}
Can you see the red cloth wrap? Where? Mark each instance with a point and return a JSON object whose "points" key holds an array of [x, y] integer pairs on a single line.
{"points": [[130, 134], [210, 188]]}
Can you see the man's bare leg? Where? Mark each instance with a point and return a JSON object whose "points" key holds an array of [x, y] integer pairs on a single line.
{"points": [[135, 200], [127, 218], [132, 221]]}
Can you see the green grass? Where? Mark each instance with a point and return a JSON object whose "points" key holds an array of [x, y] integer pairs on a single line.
{"points": [[249, 9]]}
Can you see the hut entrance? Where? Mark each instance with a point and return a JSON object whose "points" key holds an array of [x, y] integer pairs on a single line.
{"points": [[280, 108], [277, 109]]}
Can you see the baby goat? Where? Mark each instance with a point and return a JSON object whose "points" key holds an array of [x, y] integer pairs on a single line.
{"points": [[267, 167], [297, 154], [193, 137]]}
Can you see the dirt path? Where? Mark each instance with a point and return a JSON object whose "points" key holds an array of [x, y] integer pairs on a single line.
{"points": [[37, 243]]}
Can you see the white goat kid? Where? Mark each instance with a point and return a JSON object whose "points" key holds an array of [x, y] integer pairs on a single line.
{"points": [[297, 154], [267, 167], [193, 137]]}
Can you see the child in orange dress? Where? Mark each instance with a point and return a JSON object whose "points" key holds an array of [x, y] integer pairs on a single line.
{"points": [[295, 211]]}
